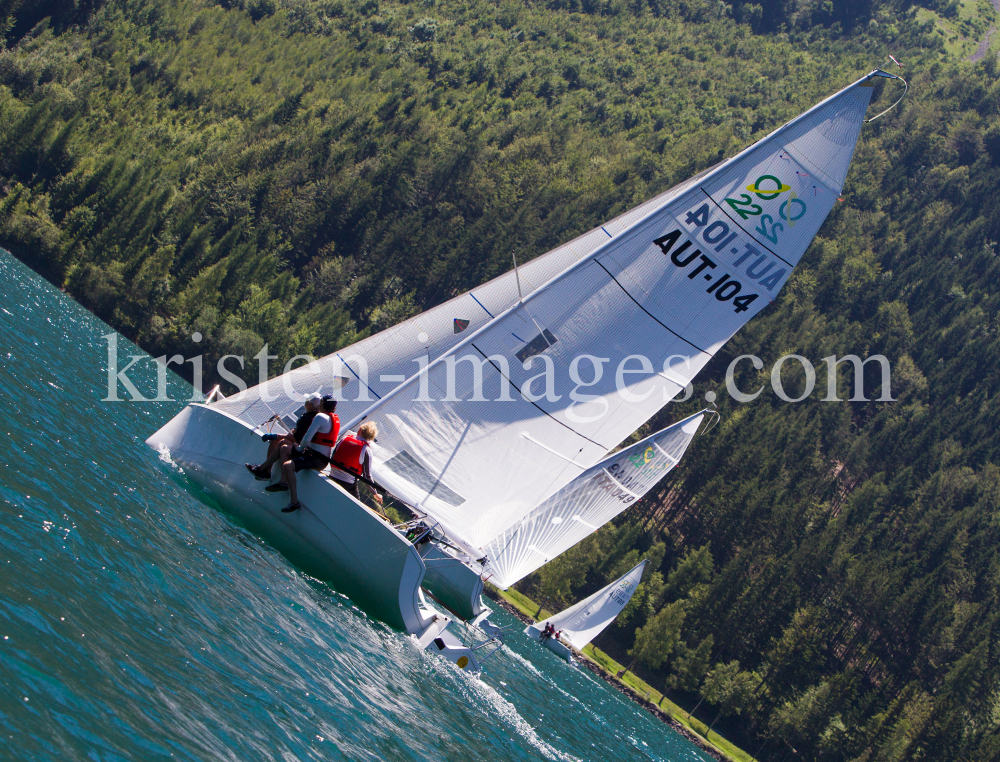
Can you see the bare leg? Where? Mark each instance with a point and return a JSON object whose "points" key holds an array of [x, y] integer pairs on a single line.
{"points": [[273, 445], [282, 453], [276, 444], [288, 469]]}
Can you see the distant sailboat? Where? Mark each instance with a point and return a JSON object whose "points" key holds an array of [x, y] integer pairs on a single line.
{"points": [[495, 412], [575, 627]]}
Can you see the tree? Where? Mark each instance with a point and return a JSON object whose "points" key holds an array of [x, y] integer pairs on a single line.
{"points": [[695, 568], [729, 689], [690, 666], [796, 720], [656, 640]]}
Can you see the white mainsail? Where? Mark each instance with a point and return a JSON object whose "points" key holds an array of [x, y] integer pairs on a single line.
{"points": [[368, 370], [527, 382], [587, 503], [584, 621], [537, 395]]}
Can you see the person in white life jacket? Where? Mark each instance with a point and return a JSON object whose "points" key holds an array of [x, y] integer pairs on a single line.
{"points": [[317, 446], [352, 459]]}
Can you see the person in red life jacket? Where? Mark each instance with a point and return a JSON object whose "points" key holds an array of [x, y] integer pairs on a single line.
{"points": [[352, 459], [317, 446], [280, 448]]}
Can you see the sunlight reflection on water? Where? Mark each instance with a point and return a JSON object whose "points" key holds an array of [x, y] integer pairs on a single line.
{"points": [[137, 621]]}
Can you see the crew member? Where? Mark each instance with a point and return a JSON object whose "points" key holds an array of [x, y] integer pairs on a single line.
{"points": [[280, 448], [352, 459], [317, 445]]}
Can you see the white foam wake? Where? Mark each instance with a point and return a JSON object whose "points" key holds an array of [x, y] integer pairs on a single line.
{"points": [[486, 696]]}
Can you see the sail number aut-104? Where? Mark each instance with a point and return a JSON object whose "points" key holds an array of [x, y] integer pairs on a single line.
{"points": [[757, 266], [724, 287]]}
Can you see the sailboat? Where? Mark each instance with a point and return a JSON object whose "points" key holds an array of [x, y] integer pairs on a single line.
{"points": [[575, 627], [498, 409]]}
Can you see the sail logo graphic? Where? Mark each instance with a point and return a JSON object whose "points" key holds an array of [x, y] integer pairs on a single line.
{"points": [[791, 210], [623, 593], [760, 265], [792, 214], [640, 459], [768, 193]]}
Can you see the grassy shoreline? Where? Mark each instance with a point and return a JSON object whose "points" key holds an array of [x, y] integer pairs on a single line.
{"points": [[636, 688]]}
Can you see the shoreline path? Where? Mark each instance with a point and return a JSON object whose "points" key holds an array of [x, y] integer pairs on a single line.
{"points": [[984, 44]]}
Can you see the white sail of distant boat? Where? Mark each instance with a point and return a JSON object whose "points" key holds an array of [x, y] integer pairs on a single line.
{"points": [[495, 403], [584, 621], [587, 503]]}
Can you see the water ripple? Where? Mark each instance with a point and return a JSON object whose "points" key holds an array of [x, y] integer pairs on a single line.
{"points": [[139, 622]]}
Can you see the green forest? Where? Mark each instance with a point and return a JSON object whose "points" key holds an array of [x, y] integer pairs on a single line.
{"points": [[824, 576]]}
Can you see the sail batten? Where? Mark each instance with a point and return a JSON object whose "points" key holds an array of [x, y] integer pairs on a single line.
{"points": [[620, 486]]}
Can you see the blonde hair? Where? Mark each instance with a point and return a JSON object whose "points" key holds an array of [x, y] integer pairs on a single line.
{"points": [[368, 431]]}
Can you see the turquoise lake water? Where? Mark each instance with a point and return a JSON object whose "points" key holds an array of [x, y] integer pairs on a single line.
{"points": [[139, 622]]}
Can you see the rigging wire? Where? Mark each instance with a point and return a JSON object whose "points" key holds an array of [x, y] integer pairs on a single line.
{"points": [[882, 73], [520, 296], [712, 411]]}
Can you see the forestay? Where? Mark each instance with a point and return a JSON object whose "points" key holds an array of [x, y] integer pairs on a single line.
{"points": [[587, 503], [583, 622], [536, 396]]}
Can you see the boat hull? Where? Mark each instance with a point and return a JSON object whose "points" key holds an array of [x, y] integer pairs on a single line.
{"points": [[333, 537], [557, 647], [453, 582]]}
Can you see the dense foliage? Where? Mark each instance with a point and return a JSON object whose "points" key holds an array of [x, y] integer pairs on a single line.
{"points": [[300, 173], [840, 559], [303, 176]]}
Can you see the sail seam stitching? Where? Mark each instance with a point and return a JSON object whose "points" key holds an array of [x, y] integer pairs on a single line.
{"points": [[546, 412], [598, 263], [357, 376]]}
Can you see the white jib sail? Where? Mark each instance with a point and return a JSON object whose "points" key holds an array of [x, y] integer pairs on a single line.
{"points": [[587, 503], [583, 622], [539, 394]]}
